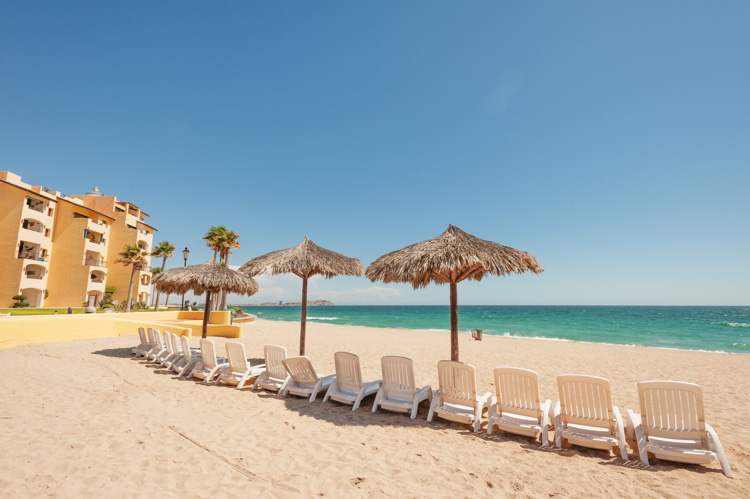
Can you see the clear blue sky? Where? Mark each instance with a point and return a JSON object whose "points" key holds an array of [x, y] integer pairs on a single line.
{"points": [[610, 140]]}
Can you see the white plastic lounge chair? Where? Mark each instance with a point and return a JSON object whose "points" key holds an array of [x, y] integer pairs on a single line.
{"points": [[517, 406], [152, 344], [176, 352], [190, 358], [399, 392], [457, 399], [585, 416], [672, 425], [159, 349], [239, 369], [348, 387], [167, 349], [274, 377], [170, 341], [209, 366], [144, 346], [304, 381]]}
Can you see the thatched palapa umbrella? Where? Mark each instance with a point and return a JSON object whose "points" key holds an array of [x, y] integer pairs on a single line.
{"points": [[450, 258], [209, 277], [304, 260]]}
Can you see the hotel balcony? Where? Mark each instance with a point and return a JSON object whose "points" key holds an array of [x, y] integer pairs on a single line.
{"points": [[37, 211], [97, 286], [34, 276], [94, 260], [93, 246], [33, 252], [97, 227]]}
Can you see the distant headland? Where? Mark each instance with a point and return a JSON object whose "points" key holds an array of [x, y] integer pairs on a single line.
{"points": [[313, 303]]}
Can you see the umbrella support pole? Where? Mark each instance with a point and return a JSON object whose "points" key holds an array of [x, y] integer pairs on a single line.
{"points": [[206, 314], [303, 317], [454, 321]]}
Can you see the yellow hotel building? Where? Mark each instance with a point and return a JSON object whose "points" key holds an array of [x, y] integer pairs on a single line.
{"points": [[59, 251]]}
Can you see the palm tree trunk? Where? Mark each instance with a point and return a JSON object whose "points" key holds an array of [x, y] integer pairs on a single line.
{"points": [[224, 292], [166, 302], [130, 289], [157, 300]]}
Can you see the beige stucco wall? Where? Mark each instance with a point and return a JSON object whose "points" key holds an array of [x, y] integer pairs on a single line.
{"points": [[69, 278]]}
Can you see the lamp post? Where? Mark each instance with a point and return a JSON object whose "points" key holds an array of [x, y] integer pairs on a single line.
{"points": [[185, 256]]}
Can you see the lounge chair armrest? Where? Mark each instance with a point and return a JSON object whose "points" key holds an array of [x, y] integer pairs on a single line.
{"points": [[634, 421], [620, 433], [324, 378], [493, 407], [719, 449], [371, 383], [546, 408], [558, 425]]}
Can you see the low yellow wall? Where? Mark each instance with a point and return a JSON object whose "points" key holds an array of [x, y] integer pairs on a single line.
{"points": [[196, 329], [220, 317], [49, 328]]}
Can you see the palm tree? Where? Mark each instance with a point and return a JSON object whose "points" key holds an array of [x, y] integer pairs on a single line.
{"points": [[136, 258], [164, 249], [222, 241], [154, 272], [229, 240], [213, 236]]}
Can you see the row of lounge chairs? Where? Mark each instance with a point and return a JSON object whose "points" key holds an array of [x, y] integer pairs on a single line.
{"points": [[670, 426]]}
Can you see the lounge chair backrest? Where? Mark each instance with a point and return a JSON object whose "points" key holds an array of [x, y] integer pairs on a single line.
{"points": [[301, 370], [151, 338], [157, 338], [175, 344], [185, 345], [142, 336], [458, 383], [168, 341], [585, 400], [236, 357], [517, 391], [208, 353], [398, 377], [348, 375], [274, 354], [672, 409]]}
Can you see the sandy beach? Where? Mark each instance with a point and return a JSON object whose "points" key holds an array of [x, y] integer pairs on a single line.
{"points": [[83, 418]]}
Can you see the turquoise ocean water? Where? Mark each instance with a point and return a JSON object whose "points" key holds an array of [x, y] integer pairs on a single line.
{"points": [[724, 329]]}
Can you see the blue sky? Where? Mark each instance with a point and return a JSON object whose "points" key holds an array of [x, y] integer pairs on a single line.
{"points": [[611, 141]]}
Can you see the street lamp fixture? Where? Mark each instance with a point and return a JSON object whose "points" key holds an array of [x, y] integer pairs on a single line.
{"points": [[185, 256]]}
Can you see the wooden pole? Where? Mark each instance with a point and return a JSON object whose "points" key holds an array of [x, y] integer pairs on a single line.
{"points": [[303, 316], [206, 314], [454, 321]]}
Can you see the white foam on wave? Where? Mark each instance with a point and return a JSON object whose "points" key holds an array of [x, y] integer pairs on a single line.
{"points": [[326, 318], [736, 324]]}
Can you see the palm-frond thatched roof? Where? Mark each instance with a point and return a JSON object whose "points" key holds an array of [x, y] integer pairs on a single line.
{"points": [[305, 260], [209, 276], [451, 257]]}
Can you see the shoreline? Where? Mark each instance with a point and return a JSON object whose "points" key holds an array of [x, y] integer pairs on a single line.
{"points": [[506, 335]]}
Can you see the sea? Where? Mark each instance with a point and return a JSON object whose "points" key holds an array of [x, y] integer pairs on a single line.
{"points": [[712, 329]]}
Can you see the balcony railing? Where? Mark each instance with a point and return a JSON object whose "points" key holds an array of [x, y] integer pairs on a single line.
{"points": [[95, 261], [34, 276], [37, 207], [30, 255]]}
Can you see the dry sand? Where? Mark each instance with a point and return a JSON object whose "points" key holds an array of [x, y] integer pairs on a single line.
{"points": [[82, 418]]}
